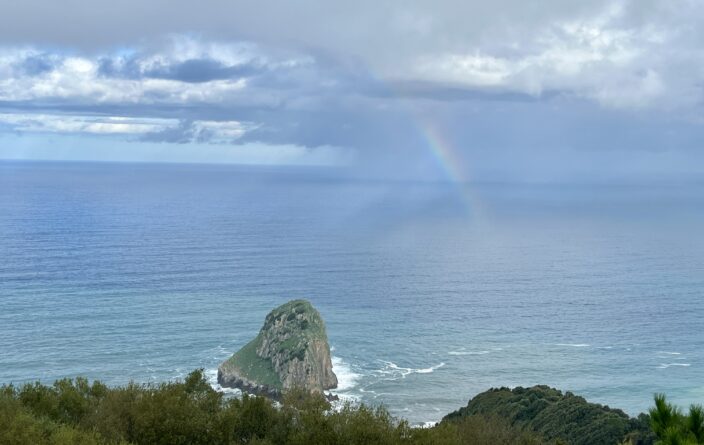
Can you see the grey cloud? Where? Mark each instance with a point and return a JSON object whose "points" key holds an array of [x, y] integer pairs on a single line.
{"points": [[326, 102], [624, 53], [452, 93], [37, 64], [191, 71], [180, 134], [506, 81], [201, 131], [202, 70], [360, 27], [126, 67]]}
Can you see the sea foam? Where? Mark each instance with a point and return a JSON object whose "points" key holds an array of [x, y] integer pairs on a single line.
{"points": [[394, 371], [211, 376], [667, 365], [346, 377], [468, 352]]}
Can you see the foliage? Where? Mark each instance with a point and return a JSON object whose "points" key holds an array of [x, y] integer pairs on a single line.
{"points": [[78, 412], [556, 416], [256, 368], [672, 427], [298, 312]]}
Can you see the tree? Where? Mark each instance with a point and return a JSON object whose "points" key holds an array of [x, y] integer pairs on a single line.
{"points": [[674, 428]]}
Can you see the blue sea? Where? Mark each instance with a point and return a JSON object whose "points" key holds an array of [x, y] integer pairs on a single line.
{"points": [[431, 292]]}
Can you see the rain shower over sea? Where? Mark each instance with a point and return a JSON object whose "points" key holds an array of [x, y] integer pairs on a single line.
{"points": [[145, 272]]}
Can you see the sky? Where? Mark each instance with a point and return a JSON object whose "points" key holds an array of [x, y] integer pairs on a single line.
{"points": [[469, 90]]}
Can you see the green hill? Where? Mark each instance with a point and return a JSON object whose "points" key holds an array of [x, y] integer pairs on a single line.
{"points": [[557, 416]]}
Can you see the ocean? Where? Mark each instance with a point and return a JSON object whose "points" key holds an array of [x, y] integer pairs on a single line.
{"points": [[431, 292]]}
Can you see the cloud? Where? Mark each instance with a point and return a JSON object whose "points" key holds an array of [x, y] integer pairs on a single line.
{"points": [[597, 58], [200, 70], [148, 129], [494, 78], [78, 80], [44, 123], [183, 74], [93, 148], [619, 54], [186, 90], [622, 54], [190, 60], [35, 65], [212, 132], [224, 131]]}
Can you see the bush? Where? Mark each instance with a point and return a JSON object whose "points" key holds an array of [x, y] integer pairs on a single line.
{"points": [[78, 412]]}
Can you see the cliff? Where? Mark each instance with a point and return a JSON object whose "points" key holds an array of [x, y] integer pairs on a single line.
{"points": [[290, 351]]}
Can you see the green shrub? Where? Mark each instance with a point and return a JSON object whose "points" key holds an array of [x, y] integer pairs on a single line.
{"points": [[78, 412]]}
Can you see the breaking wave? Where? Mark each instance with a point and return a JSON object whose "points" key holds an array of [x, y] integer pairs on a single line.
{"points": [[468, 352], [667, 365], [393, 370], [212, 376], [346, 377]]}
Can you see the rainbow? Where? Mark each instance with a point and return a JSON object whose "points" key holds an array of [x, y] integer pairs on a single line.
{"points": [[442, 150], [451, 163]]}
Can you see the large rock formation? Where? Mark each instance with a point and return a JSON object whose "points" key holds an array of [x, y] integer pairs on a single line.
{"points": [[291, 351]]}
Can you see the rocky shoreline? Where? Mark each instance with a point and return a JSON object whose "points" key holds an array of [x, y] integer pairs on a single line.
{"points": [[232, 380]]}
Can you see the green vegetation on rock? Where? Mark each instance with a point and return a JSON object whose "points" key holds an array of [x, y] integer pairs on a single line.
{"points": [[290, 351], [254, 367], [303, 324]]}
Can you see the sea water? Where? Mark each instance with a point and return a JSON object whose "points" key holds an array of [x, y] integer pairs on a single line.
{"points": [[431, 292]]}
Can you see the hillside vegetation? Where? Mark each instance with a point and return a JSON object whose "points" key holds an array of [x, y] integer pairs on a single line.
{"points": [[79, 412], [557, 416]]}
